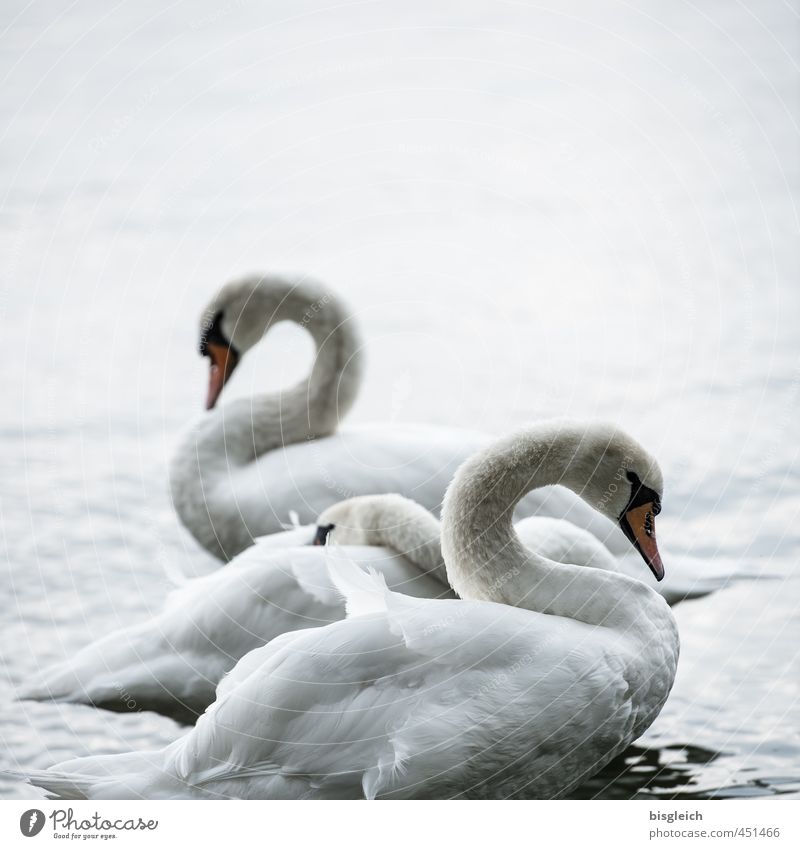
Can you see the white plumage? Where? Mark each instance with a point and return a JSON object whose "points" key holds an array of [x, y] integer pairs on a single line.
{"points": [[438, 698]]}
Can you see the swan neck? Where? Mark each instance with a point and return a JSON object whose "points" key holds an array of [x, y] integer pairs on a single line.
{"points": [[236, 433], [487, 561], [411, 531], [314, 406]]}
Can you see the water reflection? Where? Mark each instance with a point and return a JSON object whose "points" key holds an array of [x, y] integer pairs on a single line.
{"points": [[674, 772]]}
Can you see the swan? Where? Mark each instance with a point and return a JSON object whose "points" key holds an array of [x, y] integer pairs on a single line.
{"points": [[535, 679], [243, 465], [172, 662]]}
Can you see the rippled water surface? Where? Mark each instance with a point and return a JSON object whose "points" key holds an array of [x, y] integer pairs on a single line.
{"points": [[585, 211]]}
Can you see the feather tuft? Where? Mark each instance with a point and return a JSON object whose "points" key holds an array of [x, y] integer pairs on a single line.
{"points": [[364, 593]]}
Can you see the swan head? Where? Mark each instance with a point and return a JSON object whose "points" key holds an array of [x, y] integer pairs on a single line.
{"points": [[376, 520], [239, 315], [614, 473], [360, 520]]}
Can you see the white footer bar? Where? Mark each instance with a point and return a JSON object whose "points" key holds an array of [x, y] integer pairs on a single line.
{"points": [[402, 825]]}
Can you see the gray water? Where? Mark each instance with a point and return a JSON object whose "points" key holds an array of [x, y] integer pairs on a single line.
{"points": [[586, 211]]}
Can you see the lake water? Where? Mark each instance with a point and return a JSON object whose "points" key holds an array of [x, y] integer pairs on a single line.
{"points": [[587, 211]]}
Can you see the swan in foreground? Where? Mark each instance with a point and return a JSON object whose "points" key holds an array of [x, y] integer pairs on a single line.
{"points": [[245, 464], [531, 683]]}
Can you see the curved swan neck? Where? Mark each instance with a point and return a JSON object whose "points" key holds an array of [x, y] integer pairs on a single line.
{"points": [[314, 406], [236, 433], [487, 561], [328, 393], [390, 521]]}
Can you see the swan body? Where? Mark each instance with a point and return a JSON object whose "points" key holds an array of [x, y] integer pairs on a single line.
{"points": [[538, 676], [245, 464]]}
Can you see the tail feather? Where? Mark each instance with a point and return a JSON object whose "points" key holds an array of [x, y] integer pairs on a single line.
{"points": [[130, 670], [129, 775], [54, 684], [93, 673], [58, 785]]}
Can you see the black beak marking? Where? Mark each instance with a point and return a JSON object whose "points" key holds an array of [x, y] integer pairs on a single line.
{"points": [[213, 334], [321, 536], [641, 494]]}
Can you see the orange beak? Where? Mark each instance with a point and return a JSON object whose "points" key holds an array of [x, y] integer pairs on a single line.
{"points": [[639, 525], [223, 362]]}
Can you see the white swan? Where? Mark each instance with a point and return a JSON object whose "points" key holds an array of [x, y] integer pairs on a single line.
{"points": [[440, 698], [172, 662], [244, 465]]}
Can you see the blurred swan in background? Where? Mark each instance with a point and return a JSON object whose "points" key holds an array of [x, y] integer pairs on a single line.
{"points": [[244, 466], [539, 676]]}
